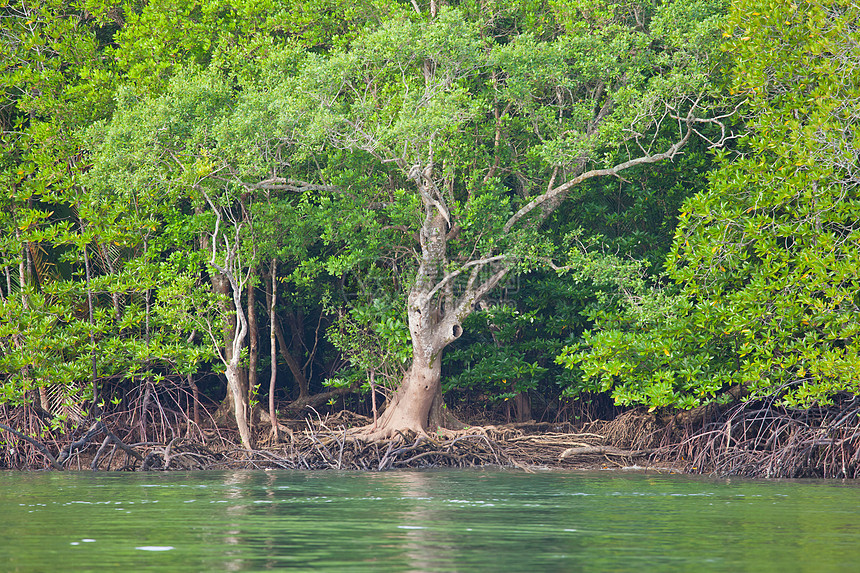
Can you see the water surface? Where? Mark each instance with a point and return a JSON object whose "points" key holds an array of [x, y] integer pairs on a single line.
{"points": [[424, 521]]}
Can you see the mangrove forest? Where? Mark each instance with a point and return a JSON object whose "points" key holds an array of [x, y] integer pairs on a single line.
{"points": [[386, 233]]}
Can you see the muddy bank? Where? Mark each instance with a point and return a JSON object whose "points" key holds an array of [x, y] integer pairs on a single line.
{"points": [[752, 439]]}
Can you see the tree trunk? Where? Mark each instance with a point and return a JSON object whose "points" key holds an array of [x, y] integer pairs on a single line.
{"points": [[230, 280], [8, 281], [237, 377], [417, 405], [195, 397], [435, 321], [236, 390], [221, 285], [115, 296], [296, 321], [292, 364], [43, 399], [418, 398], [93, 363], [441, 416], [410, 406], [253, 343], [271, 297], [523, 407], [373, 398]]}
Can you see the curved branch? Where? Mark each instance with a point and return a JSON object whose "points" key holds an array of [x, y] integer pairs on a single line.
{"points": [[614, 171], [284, 184], [452, 275]]}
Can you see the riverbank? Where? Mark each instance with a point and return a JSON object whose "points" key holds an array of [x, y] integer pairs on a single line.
{"points": [[751, 439], [328, 442]]}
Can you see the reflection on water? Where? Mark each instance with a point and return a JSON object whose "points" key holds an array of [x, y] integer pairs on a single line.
{"points": [[424, 521]]}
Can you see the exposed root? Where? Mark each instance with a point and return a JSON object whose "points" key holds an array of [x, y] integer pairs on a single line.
{"points": [[763, 439], [325, 443], [632, 429], [757, 439], [180, 455], [37, 444], [319, 448]]}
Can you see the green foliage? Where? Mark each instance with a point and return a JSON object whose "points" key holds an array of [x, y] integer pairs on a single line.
{"points": [[55, 79], [507, 352], [159, 38], [130, 133], [372, 336], [559, 103], [765, 263]]}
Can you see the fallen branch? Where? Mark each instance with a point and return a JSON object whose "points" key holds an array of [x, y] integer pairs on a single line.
{"points": [[604, 450]]}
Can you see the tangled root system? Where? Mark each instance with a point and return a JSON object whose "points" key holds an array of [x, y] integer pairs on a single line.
{"points": [[764, 439]]}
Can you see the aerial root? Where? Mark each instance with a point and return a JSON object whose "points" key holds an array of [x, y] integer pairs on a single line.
{"points": [[764, 439], [346, 441]]}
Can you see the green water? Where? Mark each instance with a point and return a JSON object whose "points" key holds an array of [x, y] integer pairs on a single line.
{"points": [[423, 521]]}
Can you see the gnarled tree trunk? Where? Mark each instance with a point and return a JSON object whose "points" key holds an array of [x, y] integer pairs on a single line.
{"points": [[435, 318]]}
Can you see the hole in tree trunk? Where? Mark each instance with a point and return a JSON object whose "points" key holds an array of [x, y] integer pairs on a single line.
{"points": [[458, 330]]}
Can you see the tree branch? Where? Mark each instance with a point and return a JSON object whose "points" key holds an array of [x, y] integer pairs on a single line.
{"points": [[284, 184], [564, 188], [452, 275]]}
